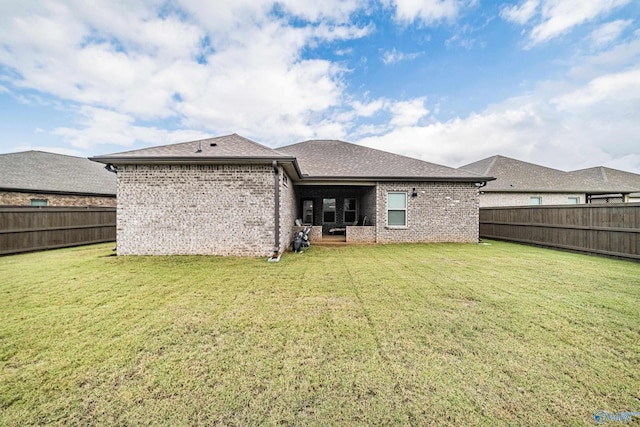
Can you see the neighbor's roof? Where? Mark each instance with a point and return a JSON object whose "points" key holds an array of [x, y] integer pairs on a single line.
{"points": [[38, 171], [611, 176], [334, 160], [229, 147], [517, 176]]}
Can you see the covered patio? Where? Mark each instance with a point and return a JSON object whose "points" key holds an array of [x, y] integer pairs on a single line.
{"points": [[338, 213]]}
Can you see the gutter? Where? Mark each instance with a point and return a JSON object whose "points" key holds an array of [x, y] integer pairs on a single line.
{"points": [[56, 192], [275, 257]]}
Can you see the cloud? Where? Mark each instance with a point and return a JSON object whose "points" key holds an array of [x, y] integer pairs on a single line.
{"points": [[609, 32], [105, 127], [213, 66], [584, 125], [616, 90], [556, 17], [408, 113], [521, 13], [393, 56], [426, 11]]}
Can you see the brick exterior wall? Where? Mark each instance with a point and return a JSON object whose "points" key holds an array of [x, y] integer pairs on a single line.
{"points": [[442, 212], [288, 211], [198, 209], [491, 199], [358, 234], [10, 198]]}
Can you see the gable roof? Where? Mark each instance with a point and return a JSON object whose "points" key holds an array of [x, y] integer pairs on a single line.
{"points": [[39, 171], [517, 176], [339, 160], [228, 147]]}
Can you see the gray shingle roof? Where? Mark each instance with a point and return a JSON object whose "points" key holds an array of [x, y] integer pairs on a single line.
{"points": [[224, 147], [48, 172], [611, 176], [324, 159], [517, 176]]}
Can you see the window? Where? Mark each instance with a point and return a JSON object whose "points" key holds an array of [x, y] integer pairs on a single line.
{"points": [[307, 211], [535, 201], [39, 202], [328, 210], [397, 209], [574, 200], [350, 211]]}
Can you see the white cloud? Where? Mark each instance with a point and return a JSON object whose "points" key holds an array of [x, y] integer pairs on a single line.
{"points": [[104, 127], [614, 89], [556, 17], [589, 124], [609, 32], [217, 66], [521, 13], [368, 109], [408, 113], [426, 11], [393, 56]]}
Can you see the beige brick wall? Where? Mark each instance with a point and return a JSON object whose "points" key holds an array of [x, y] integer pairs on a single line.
{"points": [[442, 212], [360, 234], [491, 199], [288, 210], [24, 199], [197, 209]]}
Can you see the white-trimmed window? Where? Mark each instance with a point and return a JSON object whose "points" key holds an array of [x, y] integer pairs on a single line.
{"points": [[574, 200], [535, 201], [397, 209]]}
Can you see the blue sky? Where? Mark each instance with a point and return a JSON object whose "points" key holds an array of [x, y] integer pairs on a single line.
{"points": [[447, 81]]}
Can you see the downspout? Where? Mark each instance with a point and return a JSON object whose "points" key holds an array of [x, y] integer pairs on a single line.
{"points": [[275, 257]]}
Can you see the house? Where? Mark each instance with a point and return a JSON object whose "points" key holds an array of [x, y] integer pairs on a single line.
{"points": [[37, 178], [614, 177], [522, 183], [232, 196]]}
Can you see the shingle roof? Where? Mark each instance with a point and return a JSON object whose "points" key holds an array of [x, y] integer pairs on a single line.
{"points": [[334, 159], [224, 147], [611, 176], [517, 176], [48, 172]]}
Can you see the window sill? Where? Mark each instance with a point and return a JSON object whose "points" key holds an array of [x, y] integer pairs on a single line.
{"points": [[396, 227]]}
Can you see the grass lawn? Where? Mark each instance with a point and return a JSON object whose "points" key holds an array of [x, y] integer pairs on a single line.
{"points": [[441, 334]]}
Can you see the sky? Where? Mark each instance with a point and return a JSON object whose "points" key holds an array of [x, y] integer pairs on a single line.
{"points": [[553, 82]]}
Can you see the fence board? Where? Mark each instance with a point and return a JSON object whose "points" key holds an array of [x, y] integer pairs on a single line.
{"points": [[608, 229], [24, 229]]}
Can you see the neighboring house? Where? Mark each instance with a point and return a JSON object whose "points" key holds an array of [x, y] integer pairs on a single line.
{"points": [[521, 183], [232, 196], [613, 177], [36, 178]]}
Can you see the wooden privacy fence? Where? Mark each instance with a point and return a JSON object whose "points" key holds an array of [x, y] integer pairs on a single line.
{"points": [[607, 229], [24, 229]]}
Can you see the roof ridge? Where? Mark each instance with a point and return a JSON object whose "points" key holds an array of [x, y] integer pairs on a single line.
{"points": [[44, 152], [493, 161]]}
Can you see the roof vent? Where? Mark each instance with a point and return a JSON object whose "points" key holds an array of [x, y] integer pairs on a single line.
{"points": [[213, 144], [199, 150]]}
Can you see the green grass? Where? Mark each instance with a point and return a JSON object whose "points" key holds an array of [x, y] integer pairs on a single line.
{"points": [[441, 334]]}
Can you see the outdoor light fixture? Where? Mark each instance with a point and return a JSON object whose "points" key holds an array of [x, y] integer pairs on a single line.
{"points": [[414, 193]]}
